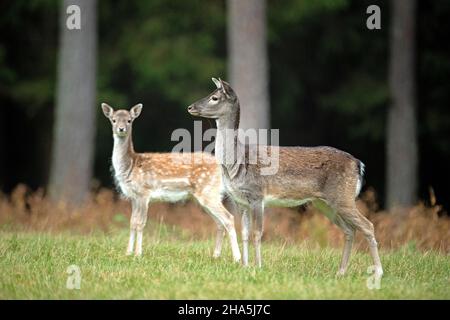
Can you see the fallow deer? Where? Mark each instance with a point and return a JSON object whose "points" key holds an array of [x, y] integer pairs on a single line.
{"points": [[328, 178], [144, 178]]}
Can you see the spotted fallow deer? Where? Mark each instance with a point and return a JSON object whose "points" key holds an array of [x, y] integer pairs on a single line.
{"points": [[328, 178], [144, 178]]}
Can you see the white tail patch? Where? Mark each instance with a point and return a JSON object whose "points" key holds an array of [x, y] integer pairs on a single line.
{"points": [[360, 178]]}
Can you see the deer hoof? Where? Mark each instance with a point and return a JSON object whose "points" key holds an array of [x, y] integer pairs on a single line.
{"points": [[340, 273]]}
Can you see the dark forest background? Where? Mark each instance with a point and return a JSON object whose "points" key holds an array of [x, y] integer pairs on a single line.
{"points": [[328, 80]]}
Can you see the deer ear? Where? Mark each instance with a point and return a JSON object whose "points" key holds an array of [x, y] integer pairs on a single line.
{"points": [[225, 87], [217, 83], [107, 110], [136, 110]]}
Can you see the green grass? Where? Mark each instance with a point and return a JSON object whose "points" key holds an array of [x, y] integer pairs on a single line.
{"points": [[33, 266]]}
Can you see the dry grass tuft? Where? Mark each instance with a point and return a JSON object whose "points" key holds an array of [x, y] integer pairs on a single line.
{"points": [[424, 227]]}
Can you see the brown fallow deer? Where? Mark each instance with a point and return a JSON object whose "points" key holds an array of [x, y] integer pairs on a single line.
{"points": [[144, 178], [328, 178]]}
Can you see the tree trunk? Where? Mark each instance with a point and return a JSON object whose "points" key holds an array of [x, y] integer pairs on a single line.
{"points": [[3, 148], [247, 60], [402, 154], [74, 128]]}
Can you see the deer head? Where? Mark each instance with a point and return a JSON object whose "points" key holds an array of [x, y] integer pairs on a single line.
{"points": [[121, 120], [220, 103]]}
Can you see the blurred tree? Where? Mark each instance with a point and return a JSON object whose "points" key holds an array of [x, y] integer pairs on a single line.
{"points": [[402, 145], [27, 72], [3, 148], [74, 128], [248, 62]]}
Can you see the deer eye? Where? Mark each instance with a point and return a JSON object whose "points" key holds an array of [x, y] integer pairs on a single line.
{"points": [[214, 98], [114, 120], [129, 121]]}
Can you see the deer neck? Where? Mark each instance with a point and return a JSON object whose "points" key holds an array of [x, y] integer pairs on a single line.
{"points": [[122, 157], [229, 150]]}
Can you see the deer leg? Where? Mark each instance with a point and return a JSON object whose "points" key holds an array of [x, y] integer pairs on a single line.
{"points": [[133, 222], [231, 207], [369, 233], [131, 241], [376, 258], [245, 232], [349, 232], [361, 223], [373, 247], [142, 221], [228, 222], [219, 240], [219, 213], [258, 216], [229, 227]]}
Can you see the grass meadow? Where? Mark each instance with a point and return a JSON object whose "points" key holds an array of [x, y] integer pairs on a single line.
{"points": [[301, 254]]}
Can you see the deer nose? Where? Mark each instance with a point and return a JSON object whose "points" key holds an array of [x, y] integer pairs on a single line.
{"points": [[121, 129], [191, 109]]}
